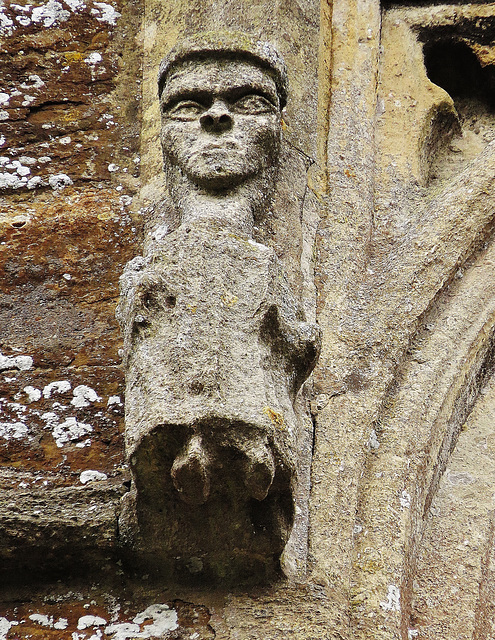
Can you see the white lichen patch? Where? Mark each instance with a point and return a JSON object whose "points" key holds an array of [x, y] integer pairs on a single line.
{"points": [[27, 101], [70, 431], [16, 407], [4, 98], [105, 13], [59, 181], [33, 82], [93, 58], [5, 626], [123, 631], [22, 363], [84, 443], [50, 14], [11, 180], [33, 394], [48, 621], [59, 386], [62, 623], [393, 599], [373, 442], [114, 400], [18, 173], [91, 476], [20, 8], [6, 24], [27, 160], [17, 166], [94, 61], [13, 430], [125, 201], [44, 621], [405, 500], [32, 183], [84, 396], [85, 622], [163, 620], [49, 417], [75, 5]]}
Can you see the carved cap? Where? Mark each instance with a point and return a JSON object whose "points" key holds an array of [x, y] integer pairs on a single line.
{"points": [[232, 44]]}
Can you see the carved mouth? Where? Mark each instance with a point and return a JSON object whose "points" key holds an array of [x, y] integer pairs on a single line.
{"points": [[215, 162], [225, 145], [219, 164], [215, 152]]}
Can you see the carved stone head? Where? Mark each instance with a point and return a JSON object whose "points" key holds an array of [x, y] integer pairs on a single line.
{"points": [[221, 98]]}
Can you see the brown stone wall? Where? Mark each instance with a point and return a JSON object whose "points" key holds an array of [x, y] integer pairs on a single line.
{"points": [[70, 91]]}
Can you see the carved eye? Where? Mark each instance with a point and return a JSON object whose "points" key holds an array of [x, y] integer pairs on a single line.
{"points": [[185, 110], [254, 104]]}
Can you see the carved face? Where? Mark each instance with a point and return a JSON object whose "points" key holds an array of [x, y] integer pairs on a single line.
{"points": [[220, 122]]}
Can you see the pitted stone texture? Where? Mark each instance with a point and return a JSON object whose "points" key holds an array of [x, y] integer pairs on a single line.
{"points": [[216, 350]]}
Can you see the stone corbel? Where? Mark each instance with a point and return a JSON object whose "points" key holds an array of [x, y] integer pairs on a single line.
{"points": [[216, 344]]}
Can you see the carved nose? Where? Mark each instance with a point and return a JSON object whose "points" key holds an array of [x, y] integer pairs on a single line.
{"points": [[216, 119]]}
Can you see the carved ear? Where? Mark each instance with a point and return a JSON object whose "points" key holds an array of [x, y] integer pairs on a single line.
{"points": [[298, 343], [309, 339]]}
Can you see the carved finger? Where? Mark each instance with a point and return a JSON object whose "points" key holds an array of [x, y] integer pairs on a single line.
{"points": [[259, 470], [190, 473]]}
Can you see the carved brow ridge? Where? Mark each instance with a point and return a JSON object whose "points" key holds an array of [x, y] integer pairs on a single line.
{"points": [[206, 97]]}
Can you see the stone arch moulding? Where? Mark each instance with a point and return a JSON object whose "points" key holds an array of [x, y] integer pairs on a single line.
{"points": [[441, 312], [449, 361], [421, 239]]}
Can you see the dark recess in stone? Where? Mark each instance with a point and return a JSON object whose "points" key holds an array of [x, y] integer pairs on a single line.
{"points": [[454, 67]]}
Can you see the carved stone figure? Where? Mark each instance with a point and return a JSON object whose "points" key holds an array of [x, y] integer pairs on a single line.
{"points": [[216, 344]]}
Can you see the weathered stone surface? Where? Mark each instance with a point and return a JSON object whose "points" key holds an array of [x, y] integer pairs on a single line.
{"points": [[54, 531], [387, 162], [59, 121], [455, 564], [217, 349]]}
